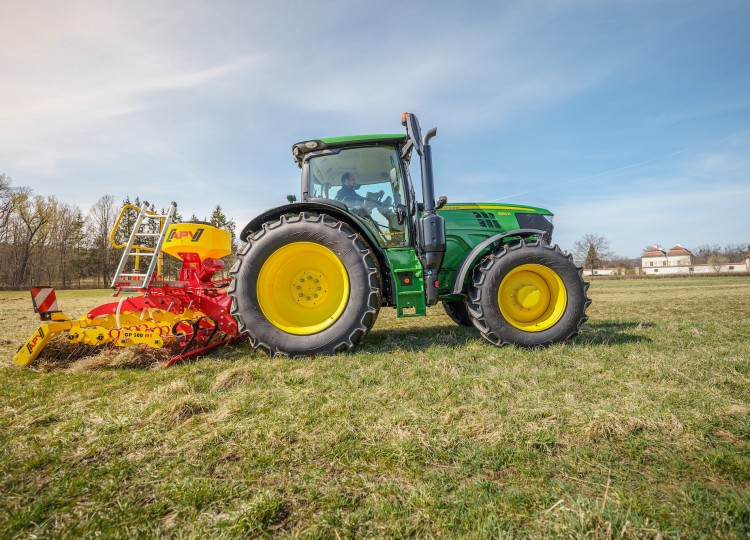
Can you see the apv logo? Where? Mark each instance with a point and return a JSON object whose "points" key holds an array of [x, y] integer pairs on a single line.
{"points": [[179, 235], [31, 345]]}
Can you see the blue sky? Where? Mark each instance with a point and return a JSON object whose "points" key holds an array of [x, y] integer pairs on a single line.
{"points": [[627, 119]]}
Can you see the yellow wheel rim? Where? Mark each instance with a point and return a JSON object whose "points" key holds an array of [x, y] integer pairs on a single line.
{"points": [[532, 297], [303, 288]]}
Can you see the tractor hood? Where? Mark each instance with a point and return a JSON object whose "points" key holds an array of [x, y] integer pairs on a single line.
{"points": [[491, 218], [496, 208]]}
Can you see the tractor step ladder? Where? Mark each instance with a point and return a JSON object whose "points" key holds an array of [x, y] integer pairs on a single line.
{"points": [[135, 280]]}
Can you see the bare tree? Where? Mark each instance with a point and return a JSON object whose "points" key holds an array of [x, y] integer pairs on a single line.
{"points": [[702, 253], [717, 261], [8, 201], [735, 252], [591, 251], [100, 221], [69, 232], [710, 254], [33, 218]]}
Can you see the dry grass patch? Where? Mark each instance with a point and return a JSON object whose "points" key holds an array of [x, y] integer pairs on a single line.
{"points": [[139, 357], [60, 355], [737, 410], [608, 426], [232, 378], [184, 408]]}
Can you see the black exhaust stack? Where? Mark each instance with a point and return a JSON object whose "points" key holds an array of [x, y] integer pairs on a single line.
{"points": [[431, 248]]}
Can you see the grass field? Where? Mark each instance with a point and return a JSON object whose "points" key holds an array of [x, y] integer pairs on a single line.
{"points": [[638, 428]]}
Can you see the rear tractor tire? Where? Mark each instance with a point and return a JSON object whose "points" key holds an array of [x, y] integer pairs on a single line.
{"points": [[528, 294], [305, 285]]}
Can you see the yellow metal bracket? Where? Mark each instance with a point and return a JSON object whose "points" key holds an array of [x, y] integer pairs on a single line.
{"points": [[88, 331], [34, 345]]}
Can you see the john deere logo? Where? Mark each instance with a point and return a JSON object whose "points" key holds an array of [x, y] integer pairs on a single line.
{"points": [[179, 235]]}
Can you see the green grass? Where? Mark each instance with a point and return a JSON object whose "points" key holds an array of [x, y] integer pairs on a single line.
{"points": [[638, 428]]}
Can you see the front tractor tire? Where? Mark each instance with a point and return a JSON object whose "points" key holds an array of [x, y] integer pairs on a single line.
{"points": [[305, 285], [528, 294]]}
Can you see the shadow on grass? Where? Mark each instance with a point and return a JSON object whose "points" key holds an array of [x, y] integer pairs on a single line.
{"points": [[418, 339], [598, 333], [612, 333]]}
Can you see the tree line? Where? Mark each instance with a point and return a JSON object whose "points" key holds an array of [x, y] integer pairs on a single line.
{"points": [[46, 242]]}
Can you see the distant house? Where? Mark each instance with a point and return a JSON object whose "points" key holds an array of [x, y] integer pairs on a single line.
{"points": [[679, 256], [679, 260], [654, 257]]}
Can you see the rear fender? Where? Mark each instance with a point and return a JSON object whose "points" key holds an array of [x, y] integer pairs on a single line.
{"points": [[480, 249]]}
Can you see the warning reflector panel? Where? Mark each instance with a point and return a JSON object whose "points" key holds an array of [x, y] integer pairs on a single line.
{"points": [[44, 300]]}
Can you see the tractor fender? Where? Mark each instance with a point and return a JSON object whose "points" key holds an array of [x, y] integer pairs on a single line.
{"points": [[332, 208], [470, 260], [336, 210]]}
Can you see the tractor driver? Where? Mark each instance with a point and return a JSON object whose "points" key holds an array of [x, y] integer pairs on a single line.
{"points": [[347, 193], [349, 188]]}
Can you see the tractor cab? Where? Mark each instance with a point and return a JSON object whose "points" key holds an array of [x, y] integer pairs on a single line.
{"points": [[362, 175]]}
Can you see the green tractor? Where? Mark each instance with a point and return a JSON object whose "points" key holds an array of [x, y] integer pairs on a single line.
{"points": [[312, 275]]}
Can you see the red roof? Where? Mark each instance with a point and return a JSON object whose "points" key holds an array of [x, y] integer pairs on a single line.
{"points": [[679, 250], [654, 252]]}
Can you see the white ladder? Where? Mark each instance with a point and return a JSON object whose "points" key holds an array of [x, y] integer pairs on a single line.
{"points": [[136, 280]]}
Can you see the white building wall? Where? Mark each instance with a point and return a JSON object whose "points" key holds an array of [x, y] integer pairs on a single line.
{"points": [[697, 269], [678, 260], [653, 262], [600, 272], [728, 268]]}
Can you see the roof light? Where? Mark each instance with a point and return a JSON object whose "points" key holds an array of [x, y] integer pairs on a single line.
{"points": [[403, 118]]}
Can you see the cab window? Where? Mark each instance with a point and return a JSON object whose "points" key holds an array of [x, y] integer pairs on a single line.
{"points": [[369, 182]]}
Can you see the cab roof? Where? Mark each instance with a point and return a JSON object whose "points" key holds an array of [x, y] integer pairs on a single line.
{"points": [[314, 145]]}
